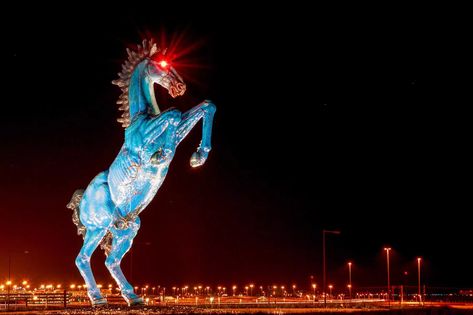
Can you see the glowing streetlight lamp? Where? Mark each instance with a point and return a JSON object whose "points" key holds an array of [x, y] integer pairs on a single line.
{"points": [[251, 289], [234, 289], [324, 265], [330, 287], [388, 249]]}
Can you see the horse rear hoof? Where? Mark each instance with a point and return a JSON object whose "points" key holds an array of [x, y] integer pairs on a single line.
{"points": [[136, 302], [99, 302]]}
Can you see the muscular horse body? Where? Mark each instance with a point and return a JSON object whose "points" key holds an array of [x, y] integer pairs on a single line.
{"points": [[107, 212]]}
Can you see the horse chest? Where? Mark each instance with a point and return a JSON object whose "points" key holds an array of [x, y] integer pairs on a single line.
{"points": [[134, 182]]}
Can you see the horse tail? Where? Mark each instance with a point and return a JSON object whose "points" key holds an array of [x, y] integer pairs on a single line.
{"points": [[74, 206]]}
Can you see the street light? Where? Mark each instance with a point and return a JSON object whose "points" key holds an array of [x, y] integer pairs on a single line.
{"points": [[324, 265], [330, 287], [349, 279], [388, 249], [314, 286], [251, 289], [418, 279]]}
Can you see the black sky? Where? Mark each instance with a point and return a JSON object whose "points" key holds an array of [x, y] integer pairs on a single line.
{"points": [[338, 118]]}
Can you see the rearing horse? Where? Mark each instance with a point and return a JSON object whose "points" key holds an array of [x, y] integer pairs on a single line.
{"points": [[107, 211]]}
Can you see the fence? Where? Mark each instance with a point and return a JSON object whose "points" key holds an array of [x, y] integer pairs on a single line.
{"points": [[15, 300]]}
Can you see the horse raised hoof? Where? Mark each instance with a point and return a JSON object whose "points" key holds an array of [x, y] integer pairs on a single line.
{"points": [[99, 302], [197, 159]]}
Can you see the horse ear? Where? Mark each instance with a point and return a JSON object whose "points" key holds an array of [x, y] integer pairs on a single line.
{"points": [[154, 49]]}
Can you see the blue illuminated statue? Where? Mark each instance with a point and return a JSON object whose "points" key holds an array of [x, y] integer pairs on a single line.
{"points": [[106, 213]]}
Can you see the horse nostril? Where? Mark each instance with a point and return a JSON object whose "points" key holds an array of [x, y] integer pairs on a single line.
{"points": [[181, 87]]}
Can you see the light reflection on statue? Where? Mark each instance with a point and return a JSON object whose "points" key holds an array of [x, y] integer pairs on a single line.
{"points": [[106, 213]]}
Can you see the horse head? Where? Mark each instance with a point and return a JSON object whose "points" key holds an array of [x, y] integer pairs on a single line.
{"points": [[161, 72], [145, 67]]}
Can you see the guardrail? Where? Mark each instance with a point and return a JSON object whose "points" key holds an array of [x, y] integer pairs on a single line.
{"points": [[25, 299]]}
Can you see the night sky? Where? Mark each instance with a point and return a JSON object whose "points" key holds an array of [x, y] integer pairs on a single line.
{"points": [[343, 118]]}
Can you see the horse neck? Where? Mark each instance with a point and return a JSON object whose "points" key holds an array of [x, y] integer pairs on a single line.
{"points": [[141, 91]]}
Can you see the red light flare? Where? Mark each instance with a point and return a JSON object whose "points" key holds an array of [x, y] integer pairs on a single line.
{"points": [[164, 64], [182, 52]]}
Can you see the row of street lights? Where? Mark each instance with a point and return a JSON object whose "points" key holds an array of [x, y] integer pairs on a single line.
{"points": [[419, 259], [387, 249]]}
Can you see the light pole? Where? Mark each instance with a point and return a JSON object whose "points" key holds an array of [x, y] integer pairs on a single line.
{"points": [[8, 293], [324, 264], [131, 256], [388, 249], [349, 279], [330, 287], [418, 279]]}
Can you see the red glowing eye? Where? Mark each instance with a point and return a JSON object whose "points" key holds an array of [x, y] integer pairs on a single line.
{"points": [[163, 64]]}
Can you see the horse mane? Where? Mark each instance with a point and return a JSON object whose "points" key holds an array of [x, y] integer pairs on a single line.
{"points": [[147, 49]]}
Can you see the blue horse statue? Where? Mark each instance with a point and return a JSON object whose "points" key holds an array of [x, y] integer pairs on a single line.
{"points": [[107, 212]]}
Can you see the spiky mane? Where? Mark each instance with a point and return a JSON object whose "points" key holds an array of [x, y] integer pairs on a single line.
{"points": [[147, 49]]}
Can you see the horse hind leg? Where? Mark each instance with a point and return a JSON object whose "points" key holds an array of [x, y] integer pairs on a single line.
{"points": [[96, 216], [121, 244], [91, 241]]}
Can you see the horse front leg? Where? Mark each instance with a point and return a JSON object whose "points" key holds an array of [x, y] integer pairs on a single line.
{"points": [[162, 126], [205, 110]]}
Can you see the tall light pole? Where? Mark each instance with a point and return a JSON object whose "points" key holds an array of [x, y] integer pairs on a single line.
{"points": [[324, 264], [349, 279], [131, 256], [388, 249], [418, 279]]}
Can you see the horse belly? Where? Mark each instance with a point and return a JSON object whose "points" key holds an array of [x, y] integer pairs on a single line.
{"points": [[138, 192], [122, 175], [96, 206], [147, 190]]}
